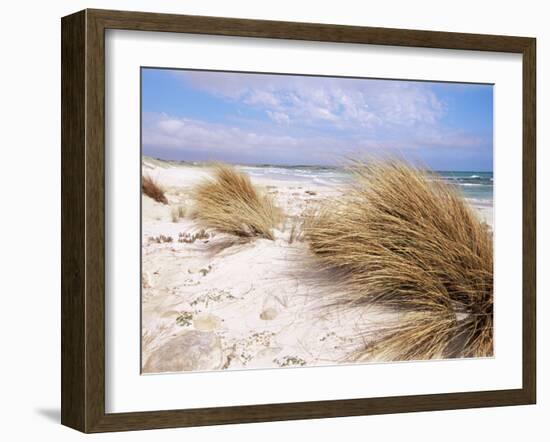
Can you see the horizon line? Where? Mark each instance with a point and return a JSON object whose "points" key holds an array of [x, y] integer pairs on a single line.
{"points": [[336, 166]]}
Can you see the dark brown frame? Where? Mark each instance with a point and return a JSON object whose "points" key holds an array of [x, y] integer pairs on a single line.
{"points": [[83, 216]]}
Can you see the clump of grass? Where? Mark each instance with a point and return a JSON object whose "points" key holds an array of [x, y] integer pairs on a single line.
{"points": [[151, 188], [161, 239], [178, 213], [230, 203], [185, 319], [188, 238], [290, 361], [297, 224], [402, 239]]}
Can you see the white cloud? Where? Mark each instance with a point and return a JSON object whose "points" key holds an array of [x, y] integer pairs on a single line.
{"points": [[204, 140], [278, 117], [200, 140], [262, 98], [341, 102], [308, 120]]}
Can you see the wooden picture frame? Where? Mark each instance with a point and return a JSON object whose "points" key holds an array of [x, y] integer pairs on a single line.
{"points": [[83, 220]]}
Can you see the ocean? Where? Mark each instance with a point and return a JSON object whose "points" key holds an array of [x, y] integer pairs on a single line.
{"points": [[477, 187]]}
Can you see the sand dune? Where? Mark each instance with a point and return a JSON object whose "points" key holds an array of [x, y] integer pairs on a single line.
{"points": [[217, 302]]}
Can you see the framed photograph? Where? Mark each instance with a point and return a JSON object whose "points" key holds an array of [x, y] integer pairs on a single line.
{"points": [[268, 220]]}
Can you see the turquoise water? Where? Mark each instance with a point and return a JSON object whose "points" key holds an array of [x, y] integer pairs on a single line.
{"points": [[475, 186]]}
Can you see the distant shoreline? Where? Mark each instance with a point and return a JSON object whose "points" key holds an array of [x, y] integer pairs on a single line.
{"points": [[286, 166], [476, 186]]}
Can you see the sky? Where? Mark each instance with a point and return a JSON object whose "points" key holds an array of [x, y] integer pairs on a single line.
{"points": [[253, 118]]}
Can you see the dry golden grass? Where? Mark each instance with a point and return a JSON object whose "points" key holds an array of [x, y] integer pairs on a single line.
{"points": [[400, 238], [151, 188], [230, 203], [295, 225], [178, 213]]}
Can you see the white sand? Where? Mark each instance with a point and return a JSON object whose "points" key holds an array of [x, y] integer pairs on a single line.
{"points": [[237, 305]]}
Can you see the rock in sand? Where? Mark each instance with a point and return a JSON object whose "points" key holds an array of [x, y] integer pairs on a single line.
{"points": [[189, 351]]}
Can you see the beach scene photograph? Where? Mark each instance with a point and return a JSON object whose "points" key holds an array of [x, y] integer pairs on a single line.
{"points": [[292, 221]]}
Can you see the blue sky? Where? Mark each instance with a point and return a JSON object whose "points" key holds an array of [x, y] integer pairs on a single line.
{"points": [[289, 119]]}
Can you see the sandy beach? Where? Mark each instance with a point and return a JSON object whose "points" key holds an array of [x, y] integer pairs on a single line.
{"points": [[211, 301]]}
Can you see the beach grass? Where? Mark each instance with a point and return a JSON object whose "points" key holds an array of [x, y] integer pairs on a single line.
{"points": [[228, 202], [152, 188], [402, 239], [178, 213]]}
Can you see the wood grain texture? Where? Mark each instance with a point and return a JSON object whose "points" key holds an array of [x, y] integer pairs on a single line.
{"points": [[145, 21], [83, 220], [529, 220], [95, 221], [73, 254]]}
